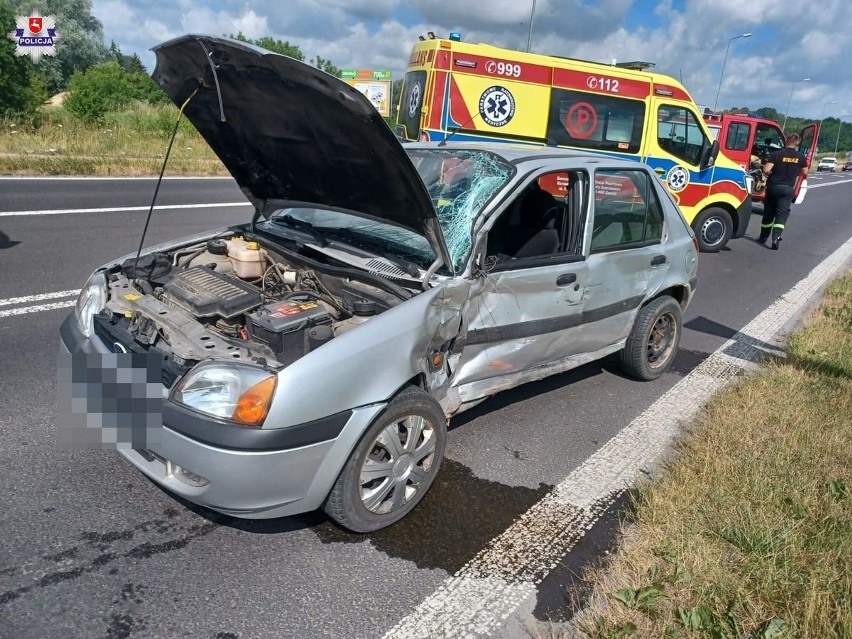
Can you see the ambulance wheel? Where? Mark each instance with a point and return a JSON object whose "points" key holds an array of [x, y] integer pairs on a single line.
{"points": [[713, 227]]}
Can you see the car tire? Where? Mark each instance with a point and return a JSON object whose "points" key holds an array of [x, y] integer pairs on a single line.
{"points": [[713, 228], [388, 473], [653, 342]]}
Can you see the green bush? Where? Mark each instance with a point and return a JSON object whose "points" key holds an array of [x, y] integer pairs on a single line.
{"points": [[108, 87]]}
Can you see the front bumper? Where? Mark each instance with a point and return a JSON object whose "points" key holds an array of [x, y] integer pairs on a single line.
{"points": [[249, 473]]}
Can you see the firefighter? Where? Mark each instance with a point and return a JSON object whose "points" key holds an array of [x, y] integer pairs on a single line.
{"points": [[783, 167]]}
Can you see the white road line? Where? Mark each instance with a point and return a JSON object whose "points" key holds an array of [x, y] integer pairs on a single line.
{"points": [[817, 186], [121, 209], [23, 310], [477, 600], [37, 298]]}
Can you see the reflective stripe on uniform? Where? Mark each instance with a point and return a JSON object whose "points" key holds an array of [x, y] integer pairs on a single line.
{"points": [[777, 226], [766, 226]]}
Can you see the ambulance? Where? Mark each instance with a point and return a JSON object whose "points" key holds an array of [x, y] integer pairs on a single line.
{"points": [[749, 139], [455, 90]]}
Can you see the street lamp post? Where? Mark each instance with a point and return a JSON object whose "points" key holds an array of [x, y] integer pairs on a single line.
{"points": [[532, 17], [742, 35], [787, 110], [840, 124], [822, 114]]}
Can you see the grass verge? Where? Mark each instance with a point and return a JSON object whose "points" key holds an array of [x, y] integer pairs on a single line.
{"points": [[130, 142], [749, 532]]}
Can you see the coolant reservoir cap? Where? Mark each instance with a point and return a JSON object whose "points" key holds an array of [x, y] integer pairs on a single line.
{"points": [[363, 307], [217, 247], [252, 246]]}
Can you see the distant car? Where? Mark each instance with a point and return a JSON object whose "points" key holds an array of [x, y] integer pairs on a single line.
{"points": [[847, 166], [313, 357], [827, 164]]}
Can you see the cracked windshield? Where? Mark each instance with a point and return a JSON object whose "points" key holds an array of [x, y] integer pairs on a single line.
{"points": [[459, 184]]}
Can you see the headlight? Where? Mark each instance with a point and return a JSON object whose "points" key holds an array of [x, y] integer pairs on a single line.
{"points": [[90, 302], [240, 394]]}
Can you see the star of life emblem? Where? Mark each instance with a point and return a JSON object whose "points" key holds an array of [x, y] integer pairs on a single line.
{"points": [[35, 36]]}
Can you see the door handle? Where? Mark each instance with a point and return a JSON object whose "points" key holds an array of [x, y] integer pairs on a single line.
{"points": [[565, 279], [657, 260]]}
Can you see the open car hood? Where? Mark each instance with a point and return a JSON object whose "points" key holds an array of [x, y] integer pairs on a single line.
{"points": [[292, 135]]}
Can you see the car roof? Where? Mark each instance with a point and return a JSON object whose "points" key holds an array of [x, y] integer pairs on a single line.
{"points": [[522, 153]]}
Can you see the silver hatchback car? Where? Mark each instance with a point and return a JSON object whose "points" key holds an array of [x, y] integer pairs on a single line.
{"points": [[313, 357]]}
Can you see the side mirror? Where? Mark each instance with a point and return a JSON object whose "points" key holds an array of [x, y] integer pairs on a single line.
{"points": [[709, 155]]}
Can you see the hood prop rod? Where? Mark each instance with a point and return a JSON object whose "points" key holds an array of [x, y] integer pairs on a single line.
{"points": [[159, 181]]}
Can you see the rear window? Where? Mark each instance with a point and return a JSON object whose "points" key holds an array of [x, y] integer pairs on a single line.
{"points": [[411, 105]]}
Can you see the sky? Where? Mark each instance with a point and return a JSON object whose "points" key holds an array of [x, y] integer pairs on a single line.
{"points": [[687, 39]]}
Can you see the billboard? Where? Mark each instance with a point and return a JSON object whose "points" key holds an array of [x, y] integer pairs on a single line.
{"points": [[376, 85]]}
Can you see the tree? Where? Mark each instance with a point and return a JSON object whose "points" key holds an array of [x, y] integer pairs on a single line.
{"points": [[285, 48], [325, 65], [770, 114], [22, 90], [146, 89], [278, 46], [81, 43], [130, 63], [396, 90]]}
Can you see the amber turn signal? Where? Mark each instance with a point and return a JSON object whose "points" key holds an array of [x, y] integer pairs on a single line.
{"points": [[253, 404]]}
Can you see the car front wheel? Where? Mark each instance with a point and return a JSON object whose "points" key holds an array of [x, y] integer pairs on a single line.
{"points": [[393, 466], [713, 228], [653, 342]]}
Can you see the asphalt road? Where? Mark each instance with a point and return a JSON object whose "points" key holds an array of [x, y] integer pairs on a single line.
{"points": [[90, 548]]}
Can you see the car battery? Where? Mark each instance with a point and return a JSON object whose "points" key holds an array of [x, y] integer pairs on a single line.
{"points": [[283, 325]]}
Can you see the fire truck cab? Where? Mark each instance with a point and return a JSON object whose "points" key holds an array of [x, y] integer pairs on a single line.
{"points": [[748, 140]]}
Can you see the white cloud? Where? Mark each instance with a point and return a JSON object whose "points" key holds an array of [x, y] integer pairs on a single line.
{"points": [[790, 40]]}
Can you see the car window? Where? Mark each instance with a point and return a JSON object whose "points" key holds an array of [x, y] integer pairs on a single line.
{"points": [[627, 211], [679, 133], [737, 138], [542, 220], [600, 122]]}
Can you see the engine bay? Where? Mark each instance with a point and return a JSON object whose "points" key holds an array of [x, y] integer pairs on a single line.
{"points": [[236, 298]]}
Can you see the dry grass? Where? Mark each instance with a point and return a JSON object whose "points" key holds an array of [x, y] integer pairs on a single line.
{"points": [[130, 142], [749, 533]]}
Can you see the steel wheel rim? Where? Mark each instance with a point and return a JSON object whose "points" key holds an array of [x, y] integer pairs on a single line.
{"points": [[661, 340], [398, 465], [712, 231]]}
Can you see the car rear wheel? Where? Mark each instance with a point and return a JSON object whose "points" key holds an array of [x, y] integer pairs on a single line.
{"points": [[713, 228], [653, 342], [393, 466]]}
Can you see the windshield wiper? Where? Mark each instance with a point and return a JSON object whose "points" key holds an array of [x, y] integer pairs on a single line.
{"points": [[300, 225]]}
